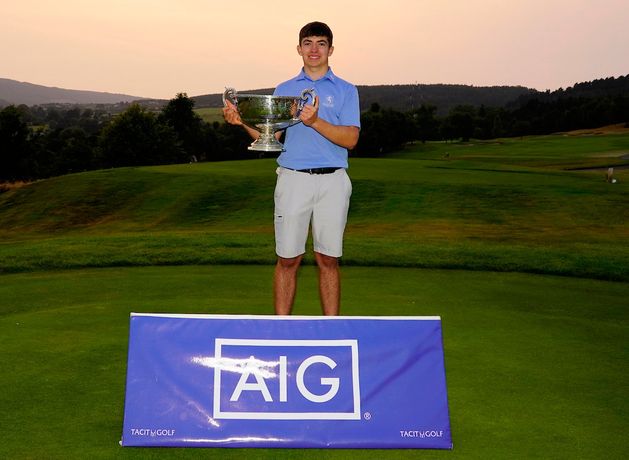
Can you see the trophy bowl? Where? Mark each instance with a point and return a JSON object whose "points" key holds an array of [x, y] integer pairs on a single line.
{"points": [[269, 114]]}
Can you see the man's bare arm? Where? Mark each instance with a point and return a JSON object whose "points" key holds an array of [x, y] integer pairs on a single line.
{"points": [[231, 115], [345, 136]]}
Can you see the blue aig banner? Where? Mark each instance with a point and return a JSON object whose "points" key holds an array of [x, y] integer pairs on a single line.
{"points": [[276, 381]]}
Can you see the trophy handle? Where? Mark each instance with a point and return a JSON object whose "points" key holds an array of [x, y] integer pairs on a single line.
{"points": [[303, 98], [230, 95]]}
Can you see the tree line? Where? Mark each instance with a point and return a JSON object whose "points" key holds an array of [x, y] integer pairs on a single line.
{"points": [[387, 130], [38, 142]]}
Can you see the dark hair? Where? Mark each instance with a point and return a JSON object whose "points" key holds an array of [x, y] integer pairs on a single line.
{"points": [[316, 29]]}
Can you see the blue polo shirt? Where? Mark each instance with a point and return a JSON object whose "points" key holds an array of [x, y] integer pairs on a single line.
{"points": [[338, 105]]}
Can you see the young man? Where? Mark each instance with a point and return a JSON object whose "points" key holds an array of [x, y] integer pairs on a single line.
{"points": [[312, 184]]}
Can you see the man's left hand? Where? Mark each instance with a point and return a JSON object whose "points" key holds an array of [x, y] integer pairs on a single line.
{"points": [[310, 113]]}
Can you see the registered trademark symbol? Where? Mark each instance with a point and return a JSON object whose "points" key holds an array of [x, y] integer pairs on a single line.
{"points": [[367, 415]]}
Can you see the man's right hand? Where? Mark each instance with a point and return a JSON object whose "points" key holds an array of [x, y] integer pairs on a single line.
{"points": [[231, 115]]}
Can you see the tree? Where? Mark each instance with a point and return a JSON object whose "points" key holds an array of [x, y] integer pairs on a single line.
{"points": [[180, 116], [135, 137], [63, 151], [426, 125], [461, 122], [382, 131], [232, 142], [15, 151]]}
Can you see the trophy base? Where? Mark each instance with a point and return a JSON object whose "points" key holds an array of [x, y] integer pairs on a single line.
{"points": [[266, 147], [267, 141]]}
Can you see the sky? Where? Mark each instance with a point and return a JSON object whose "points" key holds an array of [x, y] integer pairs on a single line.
{"points": [[158, 48]]}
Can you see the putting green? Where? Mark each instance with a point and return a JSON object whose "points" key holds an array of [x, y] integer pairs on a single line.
{"points": [[536, 365]]}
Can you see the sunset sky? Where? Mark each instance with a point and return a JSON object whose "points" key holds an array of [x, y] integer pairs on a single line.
{"points": [[157, 48]]}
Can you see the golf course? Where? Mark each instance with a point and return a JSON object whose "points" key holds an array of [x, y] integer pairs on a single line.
{"points": [[520, 245]]}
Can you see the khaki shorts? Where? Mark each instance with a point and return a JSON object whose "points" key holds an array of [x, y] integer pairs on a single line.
{"points": [[302, 198]]}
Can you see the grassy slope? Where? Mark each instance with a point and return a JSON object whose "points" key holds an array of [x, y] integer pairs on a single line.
{"points": [[505, 206]]}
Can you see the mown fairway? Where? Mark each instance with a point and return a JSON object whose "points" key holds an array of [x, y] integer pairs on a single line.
{"points": [[527, 263], [536, 365]]}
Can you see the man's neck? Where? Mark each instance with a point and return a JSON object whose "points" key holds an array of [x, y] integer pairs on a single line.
{"points": [[315, 73]]}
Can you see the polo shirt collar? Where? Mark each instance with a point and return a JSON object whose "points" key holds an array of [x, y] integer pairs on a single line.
{"points": [[304, 76]]}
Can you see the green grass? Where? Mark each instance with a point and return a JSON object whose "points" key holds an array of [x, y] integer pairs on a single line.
{"points": [[536, 365], [418, 210], [558, 151], [210, 114]]}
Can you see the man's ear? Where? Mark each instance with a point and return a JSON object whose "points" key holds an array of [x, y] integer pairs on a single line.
{"points": [[299, 49], [330, 51]]}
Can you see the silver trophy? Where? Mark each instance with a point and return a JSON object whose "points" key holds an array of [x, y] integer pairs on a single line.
{"points": [[269, 114]]}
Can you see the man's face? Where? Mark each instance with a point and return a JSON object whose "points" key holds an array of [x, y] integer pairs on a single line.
{"points": [[315, 51]]}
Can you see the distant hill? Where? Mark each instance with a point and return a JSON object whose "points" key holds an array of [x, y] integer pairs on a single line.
{"points": [[444, 97], [398, 97], [408, 97], [602, 87], [16, 92]]}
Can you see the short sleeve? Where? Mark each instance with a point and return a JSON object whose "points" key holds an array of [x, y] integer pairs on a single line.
{"points": [[350, 115]]}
